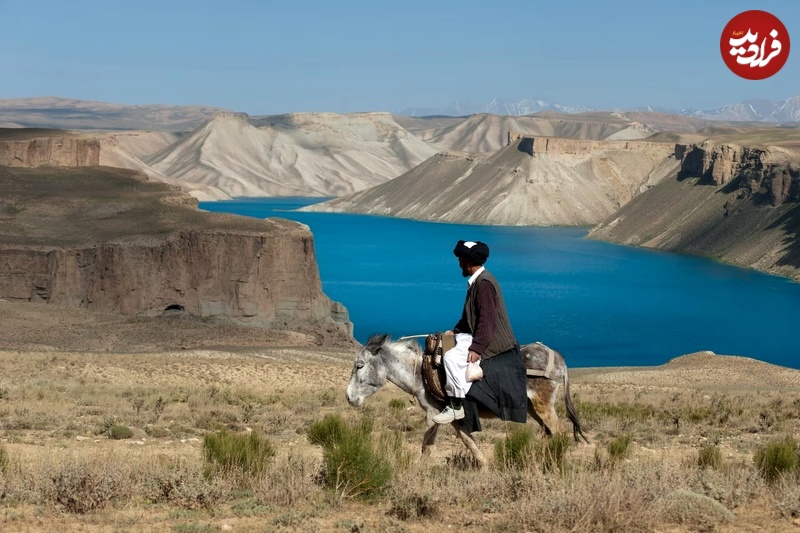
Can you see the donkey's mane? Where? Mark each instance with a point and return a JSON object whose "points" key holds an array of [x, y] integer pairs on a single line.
{"points": [[403, 347]]}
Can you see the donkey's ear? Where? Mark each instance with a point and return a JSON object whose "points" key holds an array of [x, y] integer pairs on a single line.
{"points": [[375, 342]]}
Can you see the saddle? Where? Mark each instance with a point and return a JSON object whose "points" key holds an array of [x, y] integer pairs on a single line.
{"points": [[433, 376]]}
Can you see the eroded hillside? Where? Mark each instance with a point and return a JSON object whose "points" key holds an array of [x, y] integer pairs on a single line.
{"points": [[302, 154], [541, 181], [737, 203]]}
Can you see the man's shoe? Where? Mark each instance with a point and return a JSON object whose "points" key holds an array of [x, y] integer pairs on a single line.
{"points": [[449, 414]]}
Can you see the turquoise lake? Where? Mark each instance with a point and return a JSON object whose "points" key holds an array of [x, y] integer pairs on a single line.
{"points": [[599, 304]]}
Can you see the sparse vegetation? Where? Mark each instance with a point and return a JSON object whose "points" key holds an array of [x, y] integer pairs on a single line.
{"points": [[619, 448], [709, 456], [515, 451], [353, 467], [778, 459], [246, 455], [61, 464]]}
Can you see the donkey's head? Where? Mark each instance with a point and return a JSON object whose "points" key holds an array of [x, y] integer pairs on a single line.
{"points": [[369, 371]]}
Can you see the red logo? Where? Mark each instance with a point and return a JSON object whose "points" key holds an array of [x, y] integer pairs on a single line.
{"points": [[754, 45]]}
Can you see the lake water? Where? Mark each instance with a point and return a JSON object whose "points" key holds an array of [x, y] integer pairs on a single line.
{"points": [[600, 304]]}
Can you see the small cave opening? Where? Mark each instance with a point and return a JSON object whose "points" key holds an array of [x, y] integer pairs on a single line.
{"points": [[174, 309]]}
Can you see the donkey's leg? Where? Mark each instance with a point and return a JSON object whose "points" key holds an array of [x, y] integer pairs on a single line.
{"points": [[542, 394], [469, 442], [430, 437], [531, 392]]}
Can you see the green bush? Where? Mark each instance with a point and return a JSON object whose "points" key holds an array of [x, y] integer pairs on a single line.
{"points": [[396, 404], [120, 431], [327, 432], [246, 454], [552, 452], [353, 466], [520, 450], [709, 456], [619, 448], [516, 450], [3, 459], [777, 459]]}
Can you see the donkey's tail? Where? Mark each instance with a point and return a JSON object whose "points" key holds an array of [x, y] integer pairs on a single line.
{"points": [[573, 416]]}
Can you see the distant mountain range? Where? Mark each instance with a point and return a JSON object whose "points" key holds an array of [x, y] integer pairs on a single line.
{"points": [[65, 113], [750, 110]]}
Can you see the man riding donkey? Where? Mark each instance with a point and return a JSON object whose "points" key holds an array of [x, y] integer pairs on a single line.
{"points": [[483, 336]]}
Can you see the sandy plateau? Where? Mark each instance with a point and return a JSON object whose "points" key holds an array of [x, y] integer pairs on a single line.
{"points": [[173, 380]]}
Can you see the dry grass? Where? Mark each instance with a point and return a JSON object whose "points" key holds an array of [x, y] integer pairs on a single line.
{"points": [[663, 457]]}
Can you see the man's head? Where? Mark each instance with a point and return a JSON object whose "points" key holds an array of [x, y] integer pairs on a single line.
{"points": [[471, 255]]}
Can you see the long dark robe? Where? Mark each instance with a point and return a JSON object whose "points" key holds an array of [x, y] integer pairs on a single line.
{"points": [[502, 390]]}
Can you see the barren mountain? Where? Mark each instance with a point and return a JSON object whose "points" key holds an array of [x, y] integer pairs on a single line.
{"points": [[302, 154], [736, 202], [542, 181], [55, 112]]}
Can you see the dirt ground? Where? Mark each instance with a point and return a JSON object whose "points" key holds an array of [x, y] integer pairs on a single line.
{"points": [[66, 371]]}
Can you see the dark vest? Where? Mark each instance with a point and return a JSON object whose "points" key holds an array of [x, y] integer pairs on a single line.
{"points": [[503, 339]]}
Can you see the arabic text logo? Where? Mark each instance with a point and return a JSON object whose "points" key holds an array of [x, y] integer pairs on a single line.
{"points": [[754, 45]]}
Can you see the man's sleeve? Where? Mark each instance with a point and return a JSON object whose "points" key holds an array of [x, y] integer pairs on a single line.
{"points": [[486, 317]]}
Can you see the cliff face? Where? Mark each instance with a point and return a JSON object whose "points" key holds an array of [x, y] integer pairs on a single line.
{"points": [[740, 204], [256, 278], [58, 152], [114, 243]]}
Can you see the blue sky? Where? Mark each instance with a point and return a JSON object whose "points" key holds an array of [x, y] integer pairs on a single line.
{"points": [[265, 57]]}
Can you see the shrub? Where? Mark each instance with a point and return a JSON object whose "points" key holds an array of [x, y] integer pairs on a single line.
{"points": [[83, 486], [353, 467], [692, 509], [709, 456], [289, 482], [3, 459], [552, 452], [411, 506], [516, 450], [619, 448], [120, 431], [179, 484], [327, 432], [777, 459], [519, 450], [247, 454], [396, 404]]}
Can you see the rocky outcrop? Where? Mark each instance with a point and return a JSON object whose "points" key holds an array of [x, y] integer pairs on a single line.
{"points": [[718, 164], [754, 169], [116, 243], [64, 151], [737, 203]]}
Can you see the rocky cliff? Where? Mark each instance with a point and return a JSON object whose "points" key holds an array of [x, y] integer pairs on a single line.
{"points": [[737, 203], [64, 151], [108, 240], [533, 181]]}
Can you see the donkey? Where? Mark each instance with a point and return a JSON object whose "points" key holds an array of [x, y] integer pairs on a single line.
{"points": [[401, 363]]}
